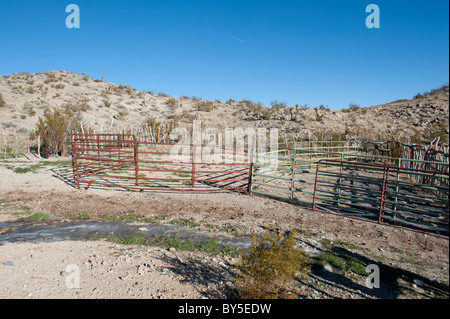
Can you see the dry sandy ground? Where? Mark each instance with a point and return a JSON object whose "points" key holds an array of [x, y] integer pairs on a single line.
{"points": [[109, 270], [79, 269]]}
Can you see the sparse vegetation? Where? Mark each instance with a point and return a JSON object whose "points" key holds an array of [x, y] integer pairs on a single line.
{"points": [[2, 101], [438, 130], [151, 122], [277, 104], [51, 77], [205, 106], [269, 266], [82, 215], [107, 103], [39, 216], [352, 107], [172, 103], [126, 217], [209, 246], [190, 222], [432, 93]]}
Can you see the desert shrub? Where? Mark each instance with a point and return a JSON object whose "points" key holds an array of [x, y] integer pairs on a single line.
{"points": [[250, 105], [230, 101], [395, 148], [205, 106], [172, 102], [2, 101], [78, 107], [443, 87], [438, 129], [76, 84], [434, 92], [301, 107], [277, 104], [30, 90], [270, 265], [187, 116], [353, 107], [28, 109], [129, 90], [59, 86], [54, 128], [122, 112], [51, 77], [121, 115], [106, 103], [319, 117], [151, 123]]}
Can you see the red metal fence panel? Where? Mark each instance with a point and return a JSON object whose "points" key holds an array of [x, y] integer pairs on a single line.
{"points": [[119, 160]]}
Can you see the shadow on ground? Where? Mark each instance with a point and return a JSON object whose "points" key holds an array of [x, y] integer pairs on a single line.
{"points": [[212, 278], [65, 174], [394, 282]]}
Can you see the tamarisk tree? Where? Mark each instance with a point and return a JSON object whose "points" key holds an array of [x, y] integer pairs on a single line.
{"points": [[54, 128]]}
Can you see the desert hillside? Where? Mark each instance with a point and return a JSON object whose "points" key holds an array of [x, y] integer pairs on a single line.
{"points": [[106, 106]]}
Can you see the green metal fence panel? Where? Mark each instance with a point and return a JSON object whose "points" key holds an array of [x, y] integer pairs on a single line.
{"points": [[338, 178]]}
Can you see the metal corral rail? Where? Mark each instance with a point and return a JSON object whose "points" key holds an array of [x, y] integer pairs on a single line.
{"points": [[289, 173], [402, 197], [340, 179], [119, 160]]}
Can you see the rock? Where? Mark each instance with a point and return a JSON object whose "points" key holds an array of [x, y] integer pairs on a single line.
{"points": [[172, 249], [328, 268], [142, 229], [419, 282]]}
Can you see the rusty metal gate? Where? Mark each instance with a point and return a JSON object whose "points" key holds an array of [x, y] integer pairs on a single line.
{"points": [[120, 160]]}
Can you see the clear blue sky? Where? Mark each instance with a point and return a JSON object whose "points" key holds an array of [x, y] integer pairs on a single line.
{"points": [[305, 52]]}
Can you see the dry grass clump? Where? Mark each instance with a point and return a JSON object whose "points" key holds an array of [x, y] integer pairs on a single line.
{"points": [[172, 103], [270, 265], [51, 77]]}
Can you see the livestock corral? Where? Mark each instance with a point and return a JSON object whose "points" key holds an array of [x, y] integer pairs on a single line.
{"points": [[333, 177], [351, 207]]}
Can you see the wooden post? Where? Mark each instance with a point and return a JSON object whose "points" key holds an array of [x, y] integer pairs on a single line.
{"points": [[39, 145], [28, 140], [75, 161], [193, 165], [293, 173], [136, 160]]}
